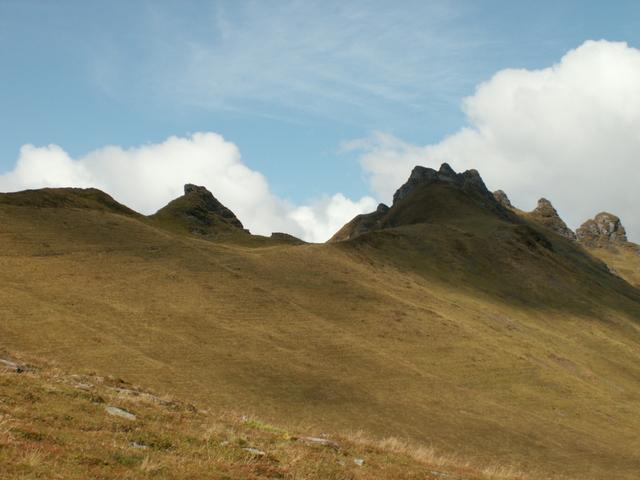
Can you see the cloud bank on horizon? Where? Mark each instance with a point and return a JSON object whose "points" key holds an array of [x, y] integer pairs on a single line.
{"points": [[570, 132], [147, 177]]}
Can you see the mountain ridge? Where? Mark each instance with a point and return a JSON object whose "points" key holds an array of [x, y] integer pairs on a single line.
{"points": [[456, 323]]}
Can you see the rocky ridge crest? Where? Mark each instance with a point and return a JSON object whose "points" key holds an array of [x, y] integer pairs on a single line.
{"points": [[547, 215], [604, 230], [469, 181], [502, 198], [204, 203]]}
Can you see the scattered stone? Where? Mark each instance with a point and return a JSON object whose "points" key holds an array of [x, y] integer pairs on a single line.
{"points": [[325, 442], [254, 451], [13, 366], [83, 386], [119, 412], [502, 199], [546, 215], [147, 396], [358, 461], [613, 271], [436, 473], [604, 230], [125, 391]]}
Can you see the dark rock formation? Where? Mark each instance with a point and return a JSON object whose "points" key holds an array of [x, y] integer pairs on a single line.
{"points": [[287, 238], [200, 213], [502, 198], [204, 203], [382, 208], [411, 206], [360, 224], [546, 215], [604, 230], [468, 181]]}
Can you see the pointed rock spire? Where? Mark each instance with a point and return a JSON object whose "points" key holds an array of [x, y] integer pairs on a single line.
{"points": [[205, 203], [502, 198], [545, 214]]}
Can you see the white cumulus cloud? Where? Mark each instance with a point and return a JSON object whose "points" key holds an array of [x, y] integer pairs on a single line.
{"points": [[147, 177], [570, 132]]}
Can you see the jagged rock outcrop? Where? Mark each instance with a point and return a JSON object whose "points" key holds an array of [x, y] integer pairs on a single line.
{"points": [[604, 230], [502, 198], [205, 203], [416, 202], [469, 180], [360, 224], [199, 212], [546, 215]]}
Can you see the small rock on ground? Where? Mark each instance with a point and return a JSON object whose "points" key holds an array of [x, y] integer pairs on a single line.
{"points": [[254, 451], [320, 441], [83, 386], [450, 476], [358, 461], [12, 366], [119, 412]]}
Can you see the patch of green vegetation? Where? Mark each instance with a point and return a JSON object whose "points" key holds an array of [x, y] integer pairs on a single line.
{"points": [[153, 440], [126, 459], [264, 427], [29, 435]]}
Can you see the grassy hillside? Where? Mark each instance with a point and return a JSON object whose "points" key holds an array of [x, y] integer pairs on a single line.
{"points": [[59, 425], [86, 198], [624, 260], [484, 336]]}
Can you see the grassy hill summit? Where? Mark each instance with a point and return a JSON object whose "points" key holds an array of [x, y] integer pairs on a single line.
{"points": [[198, 211], [447, 320], [88, 198]]}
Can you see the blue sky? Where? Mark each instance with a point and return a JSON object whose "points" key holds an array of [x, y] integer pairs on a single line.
{"points": [[287, 82]]}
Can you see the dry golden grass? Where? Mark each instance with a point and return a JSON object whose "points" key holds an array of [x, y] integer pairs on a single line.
{"points": [[462, 332], [63, 432], [623, 259]]}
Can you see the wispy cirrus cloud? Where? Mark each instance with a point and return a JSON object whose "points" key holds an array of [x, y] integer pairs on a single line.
{"points": [[354, 61]]}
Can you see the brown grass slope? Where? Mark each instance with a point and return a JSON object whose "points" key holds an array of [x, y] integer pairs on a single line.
{"points": [[88, 198], [57, 425], [456, 326], [624, 260]]}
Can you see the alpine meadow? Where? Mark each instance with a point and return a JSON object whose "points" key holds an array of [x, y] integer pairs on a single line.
{"points": [[422, 266]]}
